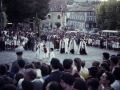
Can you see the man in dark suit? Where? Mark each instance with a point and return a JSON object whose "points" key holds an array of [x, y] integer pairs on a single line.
{"points": [[106, 58], [32, 42], [55, 74], [19, 53]]}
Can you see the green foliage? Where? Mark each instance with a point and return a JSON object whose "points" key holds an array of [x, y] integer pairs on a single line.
{"points": [[108, 14], [19, 10], [58, 24]]}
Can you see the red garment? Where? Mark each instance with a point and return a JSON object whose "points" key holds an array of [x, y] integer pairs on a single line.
{"points": [[45, 50]]}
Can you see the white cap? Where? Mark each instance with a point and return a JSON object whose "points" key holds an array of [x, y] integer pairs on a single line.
{"points": [[19, 49]]}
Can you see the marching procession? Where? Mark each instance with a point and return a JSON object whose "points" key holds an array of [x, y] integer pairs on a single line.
{"points": [[63, 42]]}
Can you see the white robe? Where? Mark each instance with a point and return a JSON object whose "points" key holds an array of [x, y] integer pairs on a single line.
{"points": [[82, 46], [46, 55], [61, 46], [39, 52], [75, 47], [66, 45], [51, 55]]}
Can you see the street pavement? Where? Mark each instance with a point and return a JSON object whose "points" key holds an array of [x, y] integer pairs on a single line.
{"points": [[93, 54]]}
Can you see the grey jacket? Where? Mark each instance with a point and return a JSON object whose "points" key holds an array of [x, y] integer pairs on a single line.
{"points": [[14, 67]]}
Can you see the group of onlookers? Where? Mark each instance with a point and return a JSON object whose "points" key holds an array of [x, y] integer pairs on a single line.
{"points": [[9, 40], [68, 75]]}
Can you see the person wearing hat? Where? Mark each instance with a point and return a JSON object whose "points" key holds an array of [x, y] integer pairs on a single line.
{"points": [[19, 52]]}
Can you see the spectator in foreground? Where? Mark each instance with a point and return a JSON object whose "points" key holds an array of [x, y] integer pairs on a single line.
{"points": [[53, 86], [19, 53], [79, 84], [55, 74], [106, 80], [27, 85], [67, 81], [92, 84], [116, 84], [8, 87]]}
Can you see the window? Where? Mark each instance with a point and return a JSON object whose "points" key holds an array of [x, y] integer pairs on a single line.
{"points": [[49, 16], [58, 16]]}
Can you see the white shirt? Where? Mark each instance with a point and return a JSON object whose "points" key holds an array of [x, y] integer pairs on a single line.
{"points": [[116, 85]]}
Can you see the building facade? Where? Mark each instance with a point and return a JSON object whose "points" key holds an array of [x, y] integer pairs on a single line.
{"points": [[57, 14], [82, 18]]}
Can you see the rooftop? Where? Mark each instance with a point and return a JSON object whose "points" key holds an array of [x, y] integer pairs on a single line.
{"points": [[58, 5], [82, 9]]}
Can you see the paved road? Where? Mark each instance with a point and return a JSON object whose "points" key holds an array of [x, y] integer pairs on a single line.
{"points": [[93, 54]]}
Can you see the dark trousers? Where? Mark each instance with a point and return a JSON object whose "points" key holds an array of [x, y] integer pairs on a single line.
{"points": [[72, 51], [62, 50], [2, 45], [32, 46], [82, 51]]}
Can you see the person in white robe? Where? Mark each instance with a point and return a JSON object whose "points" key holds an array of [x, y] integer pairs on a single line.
{"points": [[51, 54], [82, 47], [89, 42], [39, 50], [73, 46], [45, 52], [66, 45], [62, 46]]}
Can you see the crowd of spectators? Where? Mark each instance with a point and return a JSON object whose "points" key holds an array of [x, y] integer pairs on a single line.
{"points": [[68, 75]]}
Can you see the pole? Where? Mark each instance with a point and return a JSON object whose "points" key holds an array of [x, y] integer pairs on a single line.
{"points": [[0, 17]]}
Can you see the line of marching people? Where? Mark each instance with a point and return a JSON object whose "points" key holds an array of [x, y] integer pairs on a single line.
{"points": [[69, 45], [42, 52]]}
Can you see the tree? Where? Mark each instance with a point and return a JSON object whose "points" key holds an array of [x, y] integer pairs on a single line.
{"points": [[58, 24], [108, 14], [24, 10], [19, 10]]}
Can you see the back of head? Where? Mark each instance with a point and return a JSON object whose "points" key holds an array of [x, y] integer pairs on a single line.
{"points": [[3, 69], [18, 76], [77, 61], [8, 87], [7, 66], [105, 66], [95, 63], [55, 63], [93, 71], [82, 63], [110, 77], [67, 78], [45, 70], [21, 63], [94, 83], [116, 72], [114, 60], [99, 73], [51, 49], [67, 63], [54, 86], [5, 80], [37, 64], [31, 73], [106, 55], [79, 84], [29, 66], [27, 85]]}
